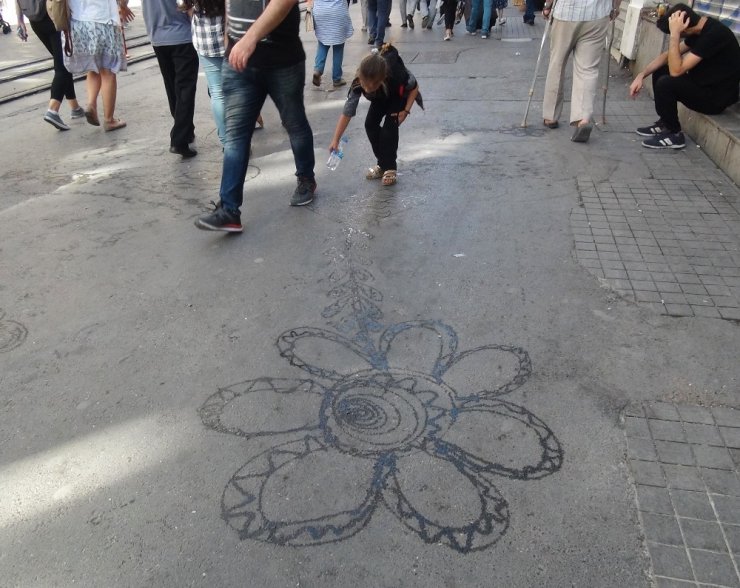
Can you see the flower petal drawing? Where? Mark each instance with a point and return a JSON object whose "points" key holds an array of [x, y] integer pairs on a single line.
{"points": [[271, 406], [469, 515], [12, 333], [302, 493], [322, 353], [421, 346], [398, 417], [488, 371], [545, 448]]}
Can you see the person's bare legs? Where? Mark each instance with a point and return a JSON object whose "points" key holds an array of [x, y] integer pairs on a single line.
{"points": [[92, 83], [56, 104], [109, 87]]}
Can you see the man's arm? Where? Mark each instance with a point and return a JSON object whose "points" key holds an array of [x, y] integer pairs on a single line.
{"points": [[679, 62], [652, 67], [268, 21]]}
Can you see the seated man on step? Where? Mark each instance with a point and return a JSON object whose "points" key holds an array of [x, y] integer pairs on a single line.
{"points": [[701, 70]]}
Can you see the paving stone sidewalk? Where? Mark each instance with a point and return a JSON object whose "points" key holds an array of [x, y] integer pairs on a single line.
{"points": [[684, 460], [670, 241]]}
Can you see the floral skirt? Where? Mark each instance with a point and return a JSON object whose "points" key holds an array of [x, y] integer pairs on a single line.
{"points": [[95, 46]]}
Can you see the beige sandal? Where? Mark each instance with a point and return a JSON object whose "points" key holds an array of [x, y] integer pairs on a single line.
{"points": [[374, 173], [113, 124], [389, 177]]}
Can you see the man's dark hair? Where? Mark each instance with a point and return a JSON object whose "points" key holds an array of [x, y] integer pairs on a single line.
{"points": [[662, 22]]}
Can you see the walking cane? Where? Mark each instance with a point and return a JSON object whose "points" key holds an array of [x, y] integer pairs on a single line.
{"points": [[536, 69], [608, 63]]}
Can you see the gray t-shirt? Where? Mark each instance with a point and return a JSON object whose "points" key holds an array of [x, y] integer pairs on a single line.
{"points": [[165, 24]]}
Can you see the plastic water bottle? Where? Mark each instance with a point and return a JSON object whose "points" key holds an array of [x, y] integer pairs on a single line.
{"points": [[337, 154]]}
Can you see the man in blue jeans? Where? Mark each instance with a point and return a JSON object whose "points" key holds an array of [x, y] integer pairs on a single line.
{"points": [[264, 57], [529, 8]]}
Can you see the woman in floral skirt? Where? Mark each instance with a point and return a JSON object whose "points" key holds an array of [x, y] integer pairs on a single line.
{"points": [[97, 42]]}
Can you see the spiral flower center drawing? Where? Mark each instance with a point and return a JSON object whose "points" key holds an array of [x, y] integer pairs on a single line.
{"points": [[372, 411]]}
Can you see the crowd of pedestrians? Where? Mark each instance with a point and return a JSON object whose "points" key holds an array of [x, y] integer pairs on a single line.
{"points": [[250, 51]]}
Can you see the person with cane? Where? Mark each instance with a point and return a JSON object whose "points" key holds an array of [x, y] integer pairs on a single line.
{"points": [[579, 27]]}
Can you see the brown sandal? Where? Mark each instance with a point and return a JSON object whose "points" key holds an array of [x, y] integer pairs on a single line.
{"points": [[92, 117], [389, 177], [114, 124], [374, 173]]}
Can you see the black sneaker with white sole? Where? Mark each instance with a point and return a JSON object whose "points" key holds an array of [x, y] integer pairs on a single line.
{"points": [[220, 220], [655, 129], [666, 140], [303, 191]]}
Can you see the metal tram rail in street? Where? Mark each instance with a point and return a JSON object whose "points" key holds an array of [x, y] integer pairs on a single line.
{"points": [[34, 78], [35, 74]]}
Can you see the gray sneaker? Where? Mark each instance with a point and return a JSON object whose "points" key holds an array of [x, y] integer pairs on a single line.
{"points": [[303, 192], [78, 112], [54, 119]]}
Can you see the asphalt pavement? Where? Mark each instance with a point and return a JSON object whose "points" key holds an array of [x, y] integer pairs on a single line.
{"points": [[473, 378]]}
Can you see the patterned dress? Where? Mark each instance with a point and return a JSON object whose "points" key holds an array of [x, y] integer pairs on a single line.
{"points": [[97, 38]]}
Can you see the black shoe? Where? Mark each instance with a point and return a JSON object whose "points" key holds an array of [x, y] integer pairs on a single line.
{"points": [[666, 140], [303, 192], [529, 21], [404, 26], [186, 151], [371, 40], [651, 131], [410, 20], [220, 220]]}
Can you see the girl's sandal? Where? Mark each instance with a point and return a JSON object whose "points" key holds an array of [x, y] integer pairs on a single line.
{"points": [[113, 124], [389, 177], [374, 173], [92, 117]]}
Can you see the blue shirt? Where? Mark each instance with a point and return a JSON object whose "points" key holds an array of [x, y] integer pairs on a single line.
{"points": [[165, 24]]}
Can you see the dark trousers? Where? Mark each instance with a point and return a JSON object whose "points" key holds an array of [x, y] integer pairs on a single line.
{"points": [[383, 135], [669, 91], [179, 67], [448, 8], [62, 86], [529, 10], [378, 12]]}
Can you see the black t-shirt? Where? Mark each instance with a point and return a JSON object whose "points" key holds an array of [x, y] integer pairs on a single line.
{"points": [[720, 55], [281, 48]]}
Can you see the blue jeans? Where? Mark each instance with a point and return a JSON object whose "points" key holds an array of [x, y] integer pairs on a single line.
{"points": [[244, 95], [337, 57], [378, 12], [529, 10], [212, 69], [485, 27]]}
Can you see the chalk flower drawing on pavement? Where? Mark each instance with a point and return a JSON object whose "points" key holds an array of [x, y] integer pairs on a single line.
{"points": [[12, 333], [378, 426]]}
